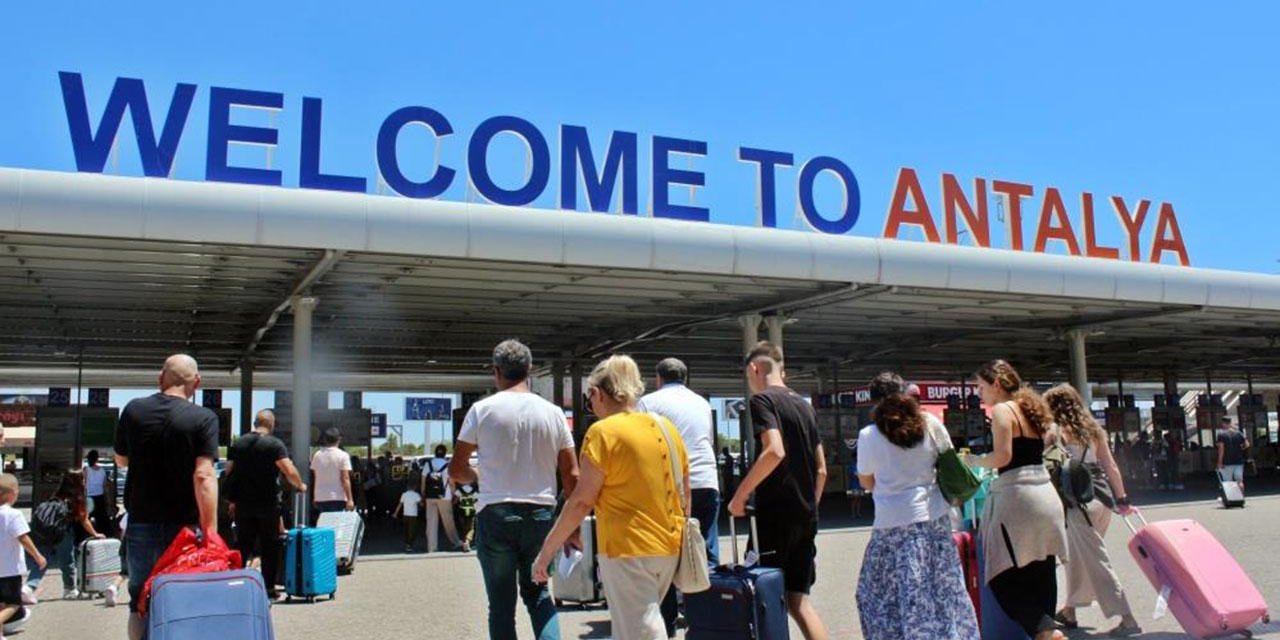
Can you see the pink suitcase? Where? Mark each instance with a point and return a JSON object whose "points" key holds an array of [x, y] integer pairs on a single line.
{"points": [[1207, 591]]}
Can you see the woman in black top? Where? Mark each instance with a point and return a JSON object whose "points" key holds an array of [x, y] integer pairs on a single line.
{"points": [[1022, 527]]}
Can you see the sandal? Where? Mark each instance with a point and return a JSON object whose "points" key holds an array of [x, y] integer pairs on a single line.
{"points": [[1067, 623]]}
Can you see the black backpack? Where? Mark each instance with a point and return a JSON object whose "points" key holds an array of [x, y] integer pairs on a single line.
{"points": [[49, 521], [434, 480]]}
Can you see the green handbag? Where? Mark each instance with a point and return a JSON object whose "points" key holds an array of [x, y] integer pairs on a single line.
{"points": [[957, 482]]}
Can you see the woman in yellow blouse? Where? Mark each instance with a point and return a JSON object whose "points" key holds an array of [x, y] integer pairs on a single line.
{"points": [[626, 478]]}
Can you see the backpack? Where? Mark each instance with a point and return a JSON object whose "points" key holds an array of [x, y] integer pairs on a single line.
{"points": [[434, 480], [49, 521], [1073, 477]]}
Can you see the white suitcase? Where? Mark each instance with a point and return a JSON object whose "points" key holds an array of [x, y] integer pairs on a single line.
{"points": [[348, 533], [98, 565], [582, 585]]}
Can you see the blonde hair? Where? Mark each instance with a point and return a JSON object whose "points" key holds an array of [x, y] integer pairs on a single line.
{"points": [[1071, 416], [8, 484], [619, 378]]}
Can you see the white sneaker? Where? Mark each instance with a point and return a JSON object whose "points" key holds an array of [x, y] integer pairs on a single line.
{"points": [[70, 594], [110, 595], [17, 623], [29, 597]]}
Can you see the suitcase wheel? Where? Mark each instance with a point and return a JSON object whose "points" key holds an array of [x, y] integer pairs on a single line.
{"points": [[333, 595], [311, 599], [1247, 633]]}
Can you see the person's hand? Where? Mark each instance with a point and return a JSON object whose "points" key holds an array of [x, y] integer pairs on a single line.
{"points": [[350, 506], [737, 506], [231, 510], [574, 541], [1125, 509], [98, 536], [541, 568], [302, 488], [41, 562]]}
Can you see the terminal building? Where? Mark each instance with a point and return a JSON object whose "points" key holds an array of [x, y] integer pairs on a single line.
{"points": [[308, 290]]}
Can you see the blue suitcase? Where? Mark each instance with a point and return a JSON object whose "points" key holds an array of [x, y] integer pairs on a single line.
{"points": [[310, 560], [217, 606], [743, 602]]}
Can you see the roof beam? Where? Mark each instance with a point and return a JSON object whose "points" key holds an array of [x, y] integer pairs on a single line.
{"points": [[324, 265]]}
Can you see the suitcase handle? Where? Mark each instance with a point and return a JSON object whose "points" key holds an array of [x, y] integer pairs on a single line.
{"points": [[733, 533], [299, 510], [1141, 518]]}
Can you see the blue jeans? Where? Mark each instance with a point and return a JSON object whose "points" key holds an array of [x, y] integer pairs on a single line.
{"points": [[61, 554], [706, 508], [144, 543], [508, 538]]}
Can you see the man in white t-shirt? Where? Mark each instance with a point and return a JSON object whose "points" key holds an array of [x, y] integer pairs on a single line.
{"points": [[691, 414], [522, 441], [331, 475]]}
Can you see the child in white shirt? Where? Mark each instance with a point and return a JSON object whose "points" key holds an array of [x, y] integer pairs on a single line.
{"points": [[410, 500], [14, 538]]}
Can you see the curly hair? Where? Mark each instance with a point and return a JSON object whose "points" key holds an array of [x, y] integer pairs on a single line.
{"points": [[898, 418], [1003, 375], [1071, 415]]}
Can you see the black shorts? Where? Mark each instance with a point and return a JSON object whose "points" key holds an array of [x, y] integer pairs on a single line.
{"points": [[788, 544], [11, 590]]}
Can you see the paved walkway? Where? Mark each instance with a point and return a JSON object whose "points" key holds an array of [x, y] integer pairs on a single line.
{"points": [[441, 596]]}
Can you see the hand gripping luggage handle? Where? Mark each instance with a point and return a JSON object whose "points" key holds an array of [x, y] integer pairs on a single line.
{"points": [[1141, 518]]}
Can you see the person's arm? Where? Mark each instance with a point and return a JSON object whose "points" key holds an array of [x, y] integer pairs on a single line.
{"points": [[460, 470], [205, 480], [1222, 449], [291, 474], [580, 503], [25, 541], [399, 508], [1002, 440], [567, 461], [820, 478], [772, 453], [1112, 469], [87, 525], [345, 475]]}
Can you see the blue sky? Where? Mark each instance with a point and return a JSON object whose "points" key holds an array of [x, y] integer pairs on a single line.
{"points": [[1167, 101]]}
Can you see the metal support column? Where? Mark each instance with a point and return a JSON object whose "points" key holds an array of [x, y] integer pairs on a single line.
{"points": [[557, 384], [246, 396], [1213, 422], [300, 443], [1079, 365], [835, 404], [579, 404], [750, 336], [774, 325]]}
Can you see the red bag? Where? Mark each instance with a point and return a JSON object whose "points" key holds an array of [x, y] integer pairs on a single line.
{"points": [[192, 551]]}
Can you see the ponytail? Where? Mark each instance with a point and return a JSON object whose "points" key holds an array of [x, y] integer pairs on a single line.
{"points": [[1035, 409], [898, 418]]}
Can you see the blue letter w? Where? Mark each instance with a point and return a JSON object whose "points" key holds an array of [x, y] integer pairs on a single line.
{"points": [[129, 93]]}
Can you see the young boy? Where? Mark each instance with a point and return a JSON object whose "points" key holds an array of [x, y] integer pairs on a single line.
{"points": [[14, 537], [410, 500]]}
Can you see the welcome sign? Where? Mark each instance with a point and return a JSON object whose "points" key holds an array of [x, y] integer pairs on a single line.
{"points": [[599, 172]]}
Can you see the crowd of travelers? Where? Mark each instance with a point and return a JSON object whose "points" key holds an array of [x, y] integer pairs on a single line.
{"points": [[644, 466]]}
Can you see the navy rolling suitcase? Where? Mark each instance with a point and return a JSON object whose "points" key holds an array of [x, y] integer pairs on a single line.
{"points": [[743, 602], [310, 561], [213, 606]]}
